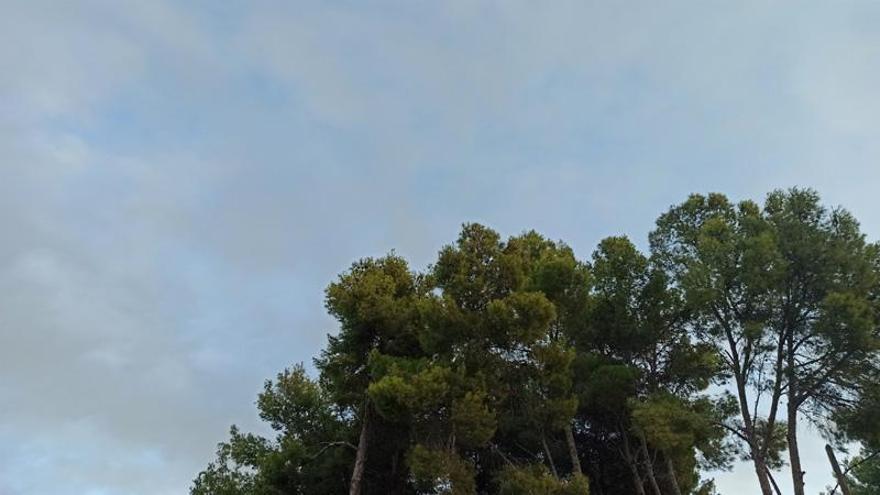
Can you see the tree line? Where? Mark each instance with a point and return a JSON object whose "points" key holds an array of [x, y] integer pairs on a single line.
{"points": [[513, 367]]}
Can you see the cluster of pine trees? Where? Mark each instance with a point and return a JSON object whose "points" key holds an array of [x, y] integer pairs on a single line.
{"points": [[512, 367]]}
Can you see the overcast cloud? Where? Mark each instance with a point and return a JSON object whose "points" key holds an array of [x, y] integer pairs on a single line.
{"points": [[180, 180]]}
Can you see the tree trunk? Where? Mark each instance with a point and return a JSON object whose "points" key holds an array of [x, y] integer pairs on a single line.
{"points": [[549, 456], [360, 461], [673, 479], [572, 450], [841, 477], [751, 434], [773, 482], [779, 374], [763, 480], [754, 448], [794, 454], [632, 464], [739, 375], [649, 465]]}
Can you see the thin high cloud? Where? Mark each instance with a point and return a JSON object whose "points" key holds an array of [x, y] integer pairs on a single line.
{"points": [[180, 182]]}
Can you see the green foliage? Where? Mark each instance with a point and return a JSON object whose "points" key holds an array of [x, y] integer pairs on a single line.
{"points": [[680, 429], [553, 382], [440, 472], [860, 421], [476, 270], [865, 475], [518, 319], [670, 423], [399, 392], [235, 472], [296, 406], [609, 388], [472, 421], [299, 460], [536, 480], [377, 305]]}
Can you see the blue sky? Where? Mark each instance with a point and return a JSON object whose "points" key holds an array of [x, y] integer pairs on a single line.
{"points": [[180, 180]]}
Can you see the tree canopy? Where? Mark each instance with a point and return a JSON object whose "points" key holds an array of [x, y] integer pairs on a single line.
{"points": [[513, 367]]}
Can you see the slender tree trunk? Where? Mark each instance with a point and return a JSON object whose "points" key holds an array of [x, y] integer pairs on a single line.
{"points": [[748, 423], [778, 372], [649, 465], [632, 464], [572, 450], [794, 454], [773, 482], [841, 478], [360, 461], [754, 447], [673, 479], [549, 456]]}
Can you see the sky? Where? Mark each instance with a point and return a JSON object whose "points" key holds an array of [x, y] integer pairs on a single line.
{"points": [[179, 181]]}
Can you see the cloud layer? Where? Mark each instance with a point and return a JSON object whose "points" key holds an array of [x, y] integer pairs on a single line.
{"points": [[179, 182]]}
